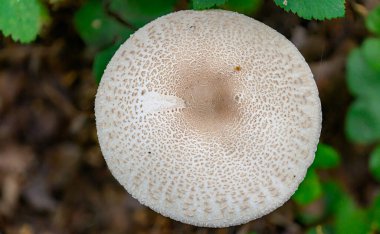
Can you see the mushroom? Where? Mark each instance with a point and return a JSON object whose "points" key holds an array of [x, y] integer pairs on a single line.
{"points": [[208, 117]]}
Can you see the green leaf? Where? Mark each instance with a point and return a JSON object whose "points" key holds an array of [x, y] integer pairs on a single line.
{"points": [[374, 213], [140, 12], [243, 6], [97, 28], [374, 163], [312, 9], [22, 19], [362, 80], [326, 157], [371, 53], [309, 190], [333, 195], [350, 219], [204, 4], [373, 20], [101, 61], [363, 120]]}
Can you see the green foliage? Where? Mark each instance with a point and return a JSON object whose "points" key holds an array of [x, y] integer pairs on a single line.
{"points": [[101, 60], [374, 214], [363, 125], [333, 194], [309, 190], [22, 19], [326, 157], [108, 25], [373, 20], [371, 53], [362, 80], [347, 216], [374, 163], [243, 6], [140, 12], [96, 27], [101, 23], [204, 4], [351, 219], [363, 121], [311, 9]]}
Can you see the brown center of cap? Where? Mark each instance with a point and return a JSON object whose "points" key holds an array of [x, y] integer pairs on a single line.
{"points": [[209, 99]]}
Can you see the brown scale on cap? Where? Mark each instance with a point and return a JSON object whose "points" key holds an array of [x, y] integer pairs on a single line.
{"points": [[208, 117]]}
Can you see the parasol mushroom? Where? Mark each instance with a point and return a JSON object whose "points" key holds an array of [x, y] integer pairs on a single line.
{"points": [[208, 117]]}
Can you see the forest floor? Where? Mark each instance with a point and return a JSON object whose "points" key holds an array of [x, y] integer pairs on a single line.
{"points": [[53, 178]]}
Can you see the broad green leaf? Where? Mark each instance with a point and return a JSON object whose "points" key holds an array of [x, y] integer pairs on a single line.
{"points": [[374, 163], [243, 6], [326, 157], [312, 9], [373, 20], [97, 28], [22, 19], [374, 213], [350, 219], [101, 61], [333, 195], [362, 79], [363, 120], [204, 4], [140, 12], [309, 190], [371, 53]]}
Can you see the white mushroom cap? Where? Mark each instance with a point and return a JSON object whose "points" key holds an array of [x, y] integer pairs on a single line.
{"points": [[208, 117]]}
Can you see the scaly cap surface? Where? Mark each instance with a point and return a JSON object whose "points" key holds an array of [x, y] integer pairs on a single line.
{"points": [[209, 117]]}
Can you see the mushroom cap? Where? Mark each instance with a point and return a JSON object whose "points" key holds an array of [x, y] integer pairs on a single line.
{"points": [[208, 117]]}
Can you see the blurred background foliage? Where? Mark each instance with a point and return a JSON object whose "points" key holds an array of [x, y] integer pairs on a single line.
{"points": [[325, 202]]}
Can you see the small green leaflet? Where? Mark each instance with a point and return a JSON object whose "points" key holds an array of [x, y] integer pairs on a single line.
{"points": [[362, 123], [309, 190], [101, 60], [22, 19], [362, 80], [373, 20], [204, 4], [243, 6], [326, 157], [374, 213], [351, 219], [333, 195], [97, 28], [314, 9], [140, 12], [371, 53], [374, 163]]}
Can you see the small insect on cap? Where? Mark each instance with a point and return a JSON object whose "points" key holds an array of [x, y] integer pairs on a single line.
{"points": [[208, 117]]}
